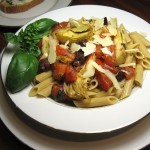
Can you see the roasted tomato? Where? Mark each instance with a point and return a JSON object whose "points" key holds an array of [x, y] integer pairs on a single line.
{"points": [[70, 74], [64, 55], [105, 66], [109, 60], [58, 70], [98, 51], [129, 72], [104, 82], [58, 93], [60, 26]]}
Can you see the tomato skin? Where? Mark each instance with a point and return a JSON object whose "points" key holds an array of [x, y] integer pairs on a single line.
{"points": [[58, 70], [70, 74], [60, 26], [104, 82], [98, 51], [131, 72], [105, 66], [109, 60]]}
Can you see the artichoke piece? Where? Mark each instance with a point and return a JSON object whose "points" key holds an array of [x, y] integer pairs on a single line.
{"points": [[82, 28], [120, 41], [64, 35]]}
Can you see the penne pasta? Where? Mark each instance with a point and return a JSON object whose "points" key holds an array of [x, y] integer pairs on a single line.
{"points": [[42, 85], [46, 91], [127, 88], [139, 55], [138, 75], [141, 38], [129, 58], [145, 63], [96, 102], [141, 46], [43, 76]]}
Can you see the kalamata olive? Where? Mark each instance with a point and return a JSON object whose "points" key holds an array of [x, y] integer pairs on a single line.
{"points": [[120, 76], [105, 21], [44, 65], [79, 59]]}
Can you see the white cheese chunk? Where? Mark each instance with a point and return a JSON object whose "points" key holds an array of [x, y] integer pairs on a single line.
{"points": [[99, 23], [52, 50], [89, 48], [112, 30], [75, 47], [90, 70], [103, 41], [105, 50]]}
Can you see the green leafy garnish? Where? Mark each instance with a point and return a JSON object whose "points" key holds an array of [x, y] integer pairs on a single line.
{"points": [[27, 39], [21, 71], [24, 64]]}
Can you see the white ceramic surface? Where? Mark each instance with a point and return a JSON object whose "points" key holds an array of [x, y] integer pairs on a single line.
{"points": [[93, 120], [135, 138], [19, 19]]}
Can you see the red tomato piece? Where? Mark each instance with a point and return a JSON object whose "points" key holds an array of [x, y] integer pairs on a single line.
{"points": [[66, 56], [109, 60], [55, 89], [130, 72], [58, 70], [98, 51], [105, 66], [58, 93], [70, 74], [104, 82], [60, 26]]}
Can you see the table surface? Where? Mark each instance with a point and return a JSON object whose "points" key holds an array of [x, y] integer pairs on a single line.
{"points": [[138, 7]]}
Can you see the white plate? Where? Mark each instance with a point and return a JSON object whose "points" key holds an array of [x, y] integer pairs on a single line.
{"points": [[93, 120], [135, 138], [19, 19]]}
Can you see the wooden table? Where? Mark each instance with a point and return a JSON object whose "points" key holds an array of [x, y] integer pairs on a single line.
{"points": [[137, 7]]}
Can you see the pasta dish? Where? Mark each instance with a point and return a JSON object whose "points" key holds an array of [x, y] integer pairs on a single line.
{"points": [[90, 62]]}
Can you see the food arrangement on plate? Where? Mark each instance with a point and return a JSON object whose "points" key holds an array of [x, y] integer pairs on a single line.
{"points": [[88, 62], [16, 6]]}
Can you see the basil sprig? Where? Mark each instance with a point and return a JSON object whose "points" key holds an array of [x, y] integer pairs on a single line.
{"points": [[24, 64], [27, 39]]}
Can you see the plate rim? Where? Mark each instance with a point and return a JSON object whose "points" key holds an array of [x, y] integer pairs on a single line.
{"points": [[70, 131]]}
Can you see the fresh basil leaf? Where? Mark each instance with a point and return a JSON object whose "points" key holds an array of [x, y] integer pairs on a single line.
{"points": [[11, 37], [21, 71]]}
